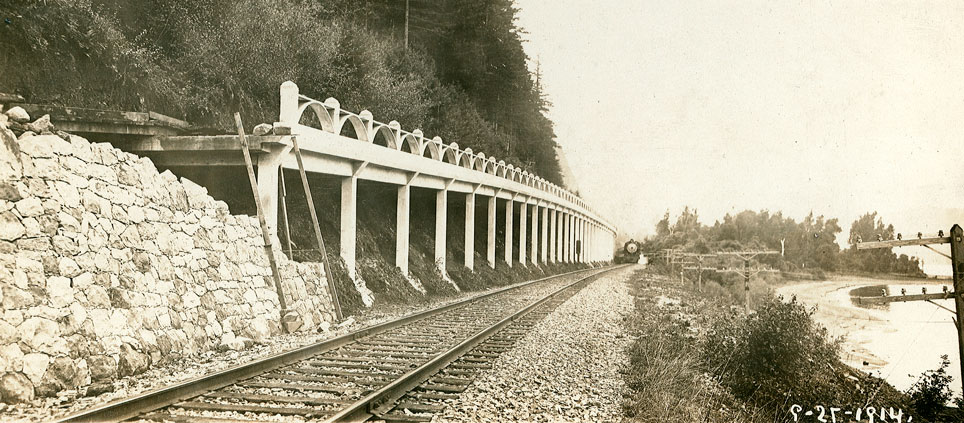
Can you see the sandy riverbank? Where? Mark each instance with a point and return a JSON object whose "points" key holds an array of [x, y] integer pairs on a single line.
{"points": [[861, 329]]}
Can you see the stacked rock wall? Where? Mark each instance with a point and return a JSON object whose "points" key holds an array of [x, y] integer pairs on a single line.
{"points": [[108, 267]]}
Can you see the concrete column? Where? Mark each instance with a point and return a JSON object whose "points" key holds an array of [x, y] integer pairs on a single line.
{"points": [[441, 215], [573, 231], [577, 235], [544, 252], [523, 221], [508, 232], [470, 230], [402, 210], [268, 165], [553, 236], [349, 188], [566, 237], [490, 238], [584, 252], [535, 236], [589, 239]]}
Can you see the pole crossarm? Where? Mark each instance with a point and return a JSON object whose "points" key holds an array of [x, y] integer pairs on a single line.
{"points": [[905, 298], [902, 242], [747, 255]]}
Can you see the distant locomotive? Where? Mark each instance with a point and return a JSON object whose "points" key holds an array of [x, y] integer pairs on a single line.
{"points": [[629, 253]]}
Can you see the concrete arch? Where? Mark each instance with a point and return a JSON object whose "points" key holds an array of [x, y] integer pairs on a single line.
{"points": [[431, 148], [383, 132], [468, 159], [510, 173], [324, 117], [480, 162], [361, 130], [502, 170], [450, 153], [491, 166], [411, 142]]}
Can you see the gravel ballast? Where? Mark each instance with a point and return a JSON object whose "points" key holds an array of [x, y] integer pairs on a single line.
{"points": [[565, 370]]}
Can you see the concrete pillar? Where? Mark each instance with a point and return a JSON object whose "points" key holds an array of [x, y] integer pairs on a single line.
{"points": [[441, 215], [508, 232], [523, 221], [268, 165], [577, 255], [349, 189], [402, 211], [566, 233], [553, 236], [572, 238], [590, 241], [544, 252], [490, 238], [582, 240], [470, 230], [535, 236]]}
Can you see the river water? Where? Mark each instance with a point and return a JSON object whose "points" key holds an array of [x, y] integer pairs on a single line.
{"points": [[897, 341]]}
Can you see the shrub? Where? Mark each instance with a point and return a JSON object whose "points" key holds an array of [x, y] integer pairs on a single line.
{"points": [[774, 355], [931, 392]]}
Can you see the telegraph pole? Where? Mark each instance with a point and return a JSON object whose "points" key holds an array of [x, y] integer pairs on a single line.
{"points": [[747, 256], [406, 24], [956, 241]]}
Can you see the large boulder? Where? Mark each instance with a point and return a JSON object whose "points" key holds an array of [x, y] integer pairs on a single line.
{"points": [[41, 125], [18, 114], [131, 361], [102, 367], [62, 373], [15, 388]]}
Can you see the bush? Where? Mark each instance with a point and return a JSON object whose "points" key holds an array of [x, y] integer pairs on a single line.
{"points": [[931, 393], [776, 354]]}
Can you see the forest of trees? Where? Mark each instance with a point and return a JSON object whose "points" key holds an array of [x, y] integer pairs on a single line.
{"points": [[463, 75], [807, 246]]}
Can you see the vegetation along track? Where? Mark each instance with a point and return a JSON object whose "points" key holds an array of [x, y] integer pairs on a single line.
{"points": [[397, 371]]}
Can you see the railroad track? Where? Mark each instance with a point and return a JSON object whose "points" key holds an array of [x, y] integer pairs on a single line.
{"points": [[398, 371]]}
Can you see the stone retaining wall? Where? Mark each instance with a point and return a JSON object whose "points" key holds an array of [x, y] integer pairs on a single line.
{"points": [[108, 267]]}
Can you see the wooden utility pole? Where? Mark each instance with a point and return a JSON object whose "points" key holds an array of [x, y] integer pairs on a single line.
{"points": [[406, 24], [956, 241], [746, 256], [699, 269]]}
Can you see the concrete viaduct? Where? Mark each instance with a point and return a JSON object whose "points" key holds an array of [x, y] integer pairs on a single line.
{"points": [[386, 153], [356, 147]]}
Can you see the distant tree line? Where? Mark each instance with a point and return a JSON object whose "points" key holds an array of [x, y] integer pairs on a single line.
{"points": [[463, 75], [809, 245]]}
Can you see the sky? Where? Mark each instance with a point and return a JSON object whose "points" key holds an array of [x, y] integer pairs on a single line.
{"points": [[835, 107]]}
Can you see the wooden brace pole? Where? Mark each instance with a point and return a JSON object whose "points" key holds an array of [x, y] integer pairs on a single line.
{"points": [[314, 222], [264, 226]]}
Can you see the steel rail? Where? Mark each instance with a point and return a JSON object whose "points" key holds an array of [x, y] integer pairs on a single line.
{"points": [[383, 399], [126, 408]]}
